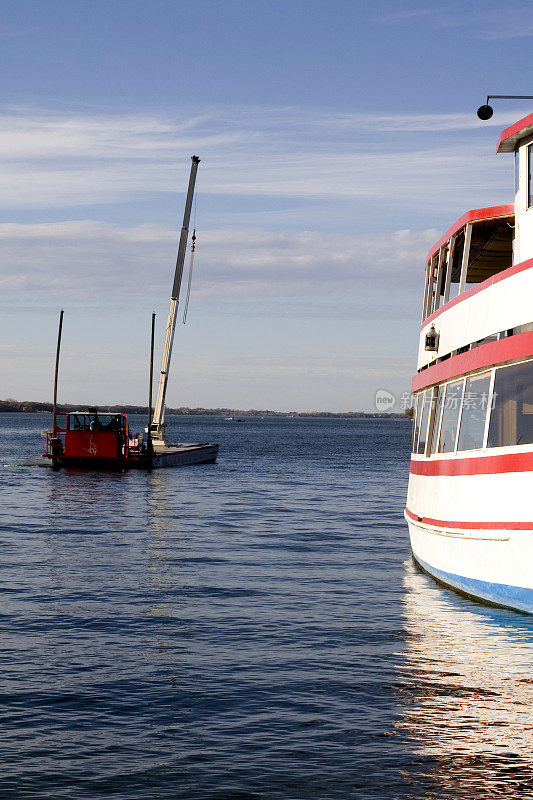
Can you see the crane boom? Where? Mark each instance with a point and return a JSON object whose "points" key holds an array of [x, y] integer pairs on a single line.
{"points": [[158, 422]]}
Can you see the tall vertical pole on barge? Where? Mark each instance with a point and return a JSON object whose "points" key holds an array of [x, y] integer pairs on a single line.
{"points": [[56, 374], [149, 428], [158, 423]]}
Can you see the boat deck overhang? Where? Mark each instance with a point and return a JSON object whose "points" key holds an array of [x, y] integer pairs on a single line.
{"points": [[491, 244], [476, 247], [513, 135]]}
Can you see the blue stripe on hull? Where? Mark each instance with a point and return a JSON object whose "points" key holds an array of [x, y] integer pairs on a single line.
{"points": [[500, 594]]}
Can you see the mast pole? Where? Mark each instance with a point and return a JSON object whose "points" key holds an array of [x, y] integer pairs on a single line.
{"points": [[158, 423], [149, 434], [58, 350]]}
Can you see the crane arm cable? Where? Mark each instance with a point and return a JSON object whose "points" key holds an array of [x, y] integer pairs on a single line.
{"points": [[189, 282]]}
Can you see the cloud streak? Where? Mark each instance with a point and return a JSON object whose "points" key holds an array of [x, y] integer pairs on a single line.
{"points": [[96, 260], [54, 161], [275, 182], [479, 23]]}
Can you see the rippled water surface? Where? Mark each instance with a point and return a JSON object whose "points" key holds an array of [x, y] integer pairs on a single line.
{"points": [[250, 629]]}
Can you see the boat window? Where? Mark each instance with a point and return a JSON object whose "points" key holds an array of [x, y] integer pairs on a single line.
{"points": [[487, 340], [454, 290], [527, 328], [425, 403], [455, 264], [441, 393], [96, 422], [76, 422], [474, 414], [511, 420], [516, 171], [450, 417], [416, 421], [529, 165], [428, 290], [109, 422]]}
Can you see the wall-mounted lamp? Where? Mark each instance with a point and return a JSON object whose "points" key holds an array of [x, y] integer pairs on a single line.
{"points": [[432, 339], [485, 112]]}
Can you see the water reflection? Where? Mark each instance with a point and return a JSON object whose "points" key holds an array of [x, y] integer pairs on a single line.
{"points": [[161, 486], [165, 546], [74, 494], [466, 692]]}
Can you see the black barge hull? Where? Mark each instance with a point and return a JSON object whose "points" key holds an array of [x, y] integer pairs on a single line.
{"points": [[179, 455]]}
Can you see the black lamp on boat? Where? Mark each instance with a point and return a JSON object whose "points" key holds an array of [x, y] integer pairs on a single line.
{"points": [[432, 339], [486, 111]]}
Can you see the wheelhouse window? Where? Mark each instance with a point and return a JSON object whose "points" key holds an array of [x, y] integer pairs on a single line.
{"points": [[474, 412], [511, 421], [96, 422], [77, 422], [450, 417]]}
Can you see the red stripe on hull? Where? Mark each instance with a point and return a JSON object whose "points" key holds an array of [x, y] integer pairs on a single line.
{"points": [[482, 465], [482, 526], [486, 355]]}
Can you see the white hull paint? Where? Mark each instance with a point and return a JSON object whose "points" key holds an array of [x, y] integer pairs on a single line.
{"points": [[496, 498], [492, 565], [504, 305]]}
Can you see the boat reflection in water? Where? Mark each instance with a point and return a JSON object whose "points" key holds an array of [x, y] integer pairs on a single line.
{"points": [[466, 693]]}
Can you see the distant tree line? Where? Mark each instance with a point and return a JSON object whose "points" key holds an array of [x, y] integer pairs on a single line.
{"points": [[31, 406]]}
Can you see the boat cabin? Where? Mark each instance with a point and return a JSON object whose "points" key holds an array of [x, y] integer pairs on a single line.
{"points": [[486, 241], [476, 247], [89, 435], [518, 139]]}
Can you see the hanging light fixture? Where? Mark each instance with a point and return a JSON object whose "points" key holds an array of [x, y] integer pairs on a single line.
{"points": [[485, 112]]}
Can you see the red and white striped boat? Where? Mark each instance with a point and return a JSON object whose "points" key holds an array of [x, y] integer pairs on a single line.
{"points": [[470, 497]]}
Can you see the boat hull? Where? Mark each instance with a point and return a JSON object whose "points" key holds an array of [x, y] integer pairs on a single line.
{"points": [[169, 456], [184, 455], [490, 565]]}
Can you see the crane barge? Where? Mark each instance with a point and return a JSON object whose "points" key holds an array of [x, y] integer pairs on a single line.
{"points": [[94, 440]]}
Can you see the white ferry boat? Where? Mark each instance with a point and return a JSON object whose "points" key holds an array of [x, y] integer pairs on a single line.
{"points": [[470, 497]]}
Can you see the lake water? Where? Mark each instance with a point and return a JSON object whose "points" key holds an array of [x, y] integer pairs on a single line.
{"points": [[249, 630]]}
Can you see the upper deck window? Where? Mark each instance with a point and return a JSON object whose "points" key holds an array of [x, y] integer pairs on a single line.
{"points": [[529, 165], [474, 252]]}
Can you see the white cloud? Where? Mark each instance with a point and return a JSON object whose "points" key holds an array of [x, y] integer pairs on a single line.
{"points": [[54, 161], [279, 290], [481, 22], [113, 264]]}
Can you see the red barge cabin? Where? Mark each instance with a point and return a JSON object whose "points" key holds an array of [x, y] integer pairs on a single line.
{"points": [[103, 440]]}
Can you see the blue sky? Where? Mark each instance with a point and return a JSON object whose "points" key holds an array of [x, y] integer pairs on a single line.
{"points": [[338, 140]]}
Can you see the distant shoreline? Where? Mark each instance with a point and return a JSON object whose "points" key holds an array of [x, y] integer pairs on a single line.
{"points": [[32, 407]]}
